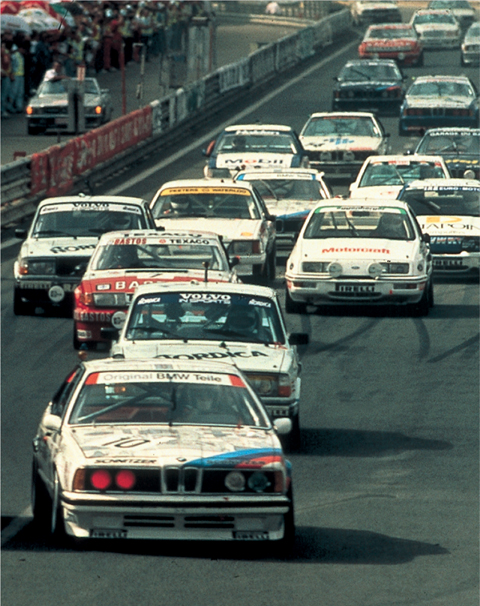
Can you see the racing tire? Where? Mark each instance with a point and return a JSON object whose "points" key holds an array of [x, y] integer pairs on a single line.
{"points": [[421, 309], [20, 307], [293, 439], [40, 500], [56, 522], [292, 307], [402, 132], [34, 130], [431, 296], [285, 546], [272, 264]]}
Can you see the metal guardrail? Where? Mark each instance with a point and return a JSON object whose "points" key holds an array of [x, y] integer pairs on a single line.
{"points": [[172, 118]]}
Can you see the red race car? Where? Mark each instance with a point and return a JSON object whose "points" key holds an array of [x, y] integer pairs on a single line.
{"points": [[397, 41]]}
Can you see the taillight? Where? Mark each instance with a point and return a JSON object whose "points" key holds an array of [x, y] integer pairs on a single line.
{"points": [[125, 479], [82, 297]]}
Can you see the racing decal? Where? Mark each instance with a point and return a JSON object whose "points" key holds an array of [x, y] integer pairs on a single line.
{"points": [[106, 378], [123, 285], [260, 131], [89, 207], [252, 457], [148, 300], [129, 241], [258, 303], [432, 189], [174, 191], [124, 461], [71, 248], [442, 220], [213, 355], [180, 241], [204, 298], [452, 133], [91, 316], [384, 251], [127, 442], [242, 160]]}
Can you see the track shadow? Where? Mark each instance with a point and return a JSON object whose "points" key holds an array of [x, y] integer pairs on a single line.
{"points": [[321, 545], [355, 443]]}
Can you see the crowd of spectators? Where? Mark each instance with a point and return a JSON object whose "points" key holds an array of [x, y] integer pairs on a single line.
{"points": [[103, 31]]}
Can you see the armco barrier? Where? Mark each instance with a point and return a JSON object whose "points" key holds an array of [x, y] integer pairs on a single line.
{"points": [[118, 145]]}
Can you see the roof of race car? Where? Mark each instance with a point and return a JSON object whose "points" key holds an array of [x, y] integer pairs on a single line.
{"points": [[93, 199], [154, 365], [224, 287], [342, 115], [362, 62], [205, 184], [443, 183], [430, 11], [258, 127], [453, 130], [160, 236], [443, 78], [390, 26]]}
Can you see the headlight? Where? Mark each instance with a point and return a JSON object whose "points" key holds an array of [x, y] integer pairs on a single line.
{"points": [[110, 299], [97, 109], [235, 481], [245, 247], [395, 268], [271, 385], [258, 481], [312, 267], [37, 268], [471, 244]]}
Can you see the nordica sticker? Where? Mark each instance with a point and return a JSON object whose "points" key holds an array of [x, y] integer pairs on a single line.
{"points": [[213, 355]]}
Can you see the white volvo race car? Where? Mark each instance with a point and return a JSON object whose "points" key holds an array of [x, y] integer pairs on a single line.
{"points": [[234, 211], [449, 210], [237, 323], [149, 449], [60, 242], [356, 252]]}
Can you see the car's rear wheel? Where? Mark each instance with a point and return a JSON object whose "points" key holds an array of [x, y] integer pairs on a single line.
{"points": [[285, 546], [57, 524], [420, 61], [403, 132], [292, 307], [421, 309], [293, 439], [41, 502]]}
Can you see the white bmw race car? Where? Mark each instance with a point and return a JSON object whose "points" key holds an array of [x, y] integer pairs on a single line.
{"points": [[149, 449]]}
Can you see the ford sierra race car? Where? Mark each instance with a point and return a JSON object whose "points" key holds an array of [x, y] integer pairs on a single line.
{"points": [[370, 85], [360, 252], [60, 242], [449, 210], [398, 41], [237, 323], [435, 101], [459, 147], [122, 261], [235, 211], [150, 449], [289, 195], [462, 10], [470, 49], [436, 28], [384, 176], [242, 146], [339, 142]]}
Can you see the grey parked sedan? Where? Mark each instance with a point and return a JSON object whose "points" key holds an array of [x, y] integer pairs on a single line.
{"points": [[48, 109]]}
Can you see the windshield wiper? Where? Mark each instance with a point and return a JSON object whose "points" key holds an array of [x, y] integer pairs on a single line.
{"points": [[233, 333], [152, 329]]}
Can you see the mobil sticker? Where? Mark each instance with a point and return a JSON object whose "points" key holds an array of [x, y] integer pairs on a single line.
{"points": [[267, 160]]}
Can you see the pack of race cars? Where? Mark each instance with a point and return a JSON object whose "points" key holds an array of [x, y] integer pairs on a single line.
{"points": [[203, 376]]}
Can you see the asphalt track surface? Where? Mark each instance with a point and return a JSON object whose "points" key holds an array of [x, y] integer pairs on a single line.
{"points": [[386, 481]]}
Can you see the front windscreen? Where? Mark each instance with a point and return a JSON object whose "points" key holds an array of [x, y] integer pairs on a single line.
{"points": [[205, 316], [441, 88], [348, 222], [85, 219], [450, 143], [356, 73], [288, 189], [218, 203], [464, 201], [341, 126], [392, 173], [121, 254], [166, 397]]}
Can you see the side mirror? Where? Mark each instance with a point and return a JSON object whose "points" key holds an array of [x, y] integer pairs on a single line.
{"points": [[283, 425], [20, 233], [426, 238], [233, 261], [109, 332], [270, 217], [51, 422], [299, 338]]}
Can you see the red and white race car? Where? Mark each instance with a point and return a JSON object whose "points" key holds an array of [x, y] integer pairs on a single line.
{"points": [[122, 261], [397, 41]]}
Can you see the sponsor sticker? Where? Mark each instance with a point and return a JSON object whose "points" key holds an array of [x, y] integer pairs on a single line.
{"points": [[107, 378], [174, 191]]}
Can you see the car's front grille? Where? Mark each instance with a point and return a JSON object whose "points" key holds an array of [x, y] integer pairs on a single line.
{"points": [[55, 110], [71, 266]]}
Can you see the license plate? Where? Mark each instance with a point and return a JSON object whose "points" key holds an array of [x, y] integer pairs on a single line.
{"points": [[447, 262], [355, 288], [108, 533], [250, 536]]}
